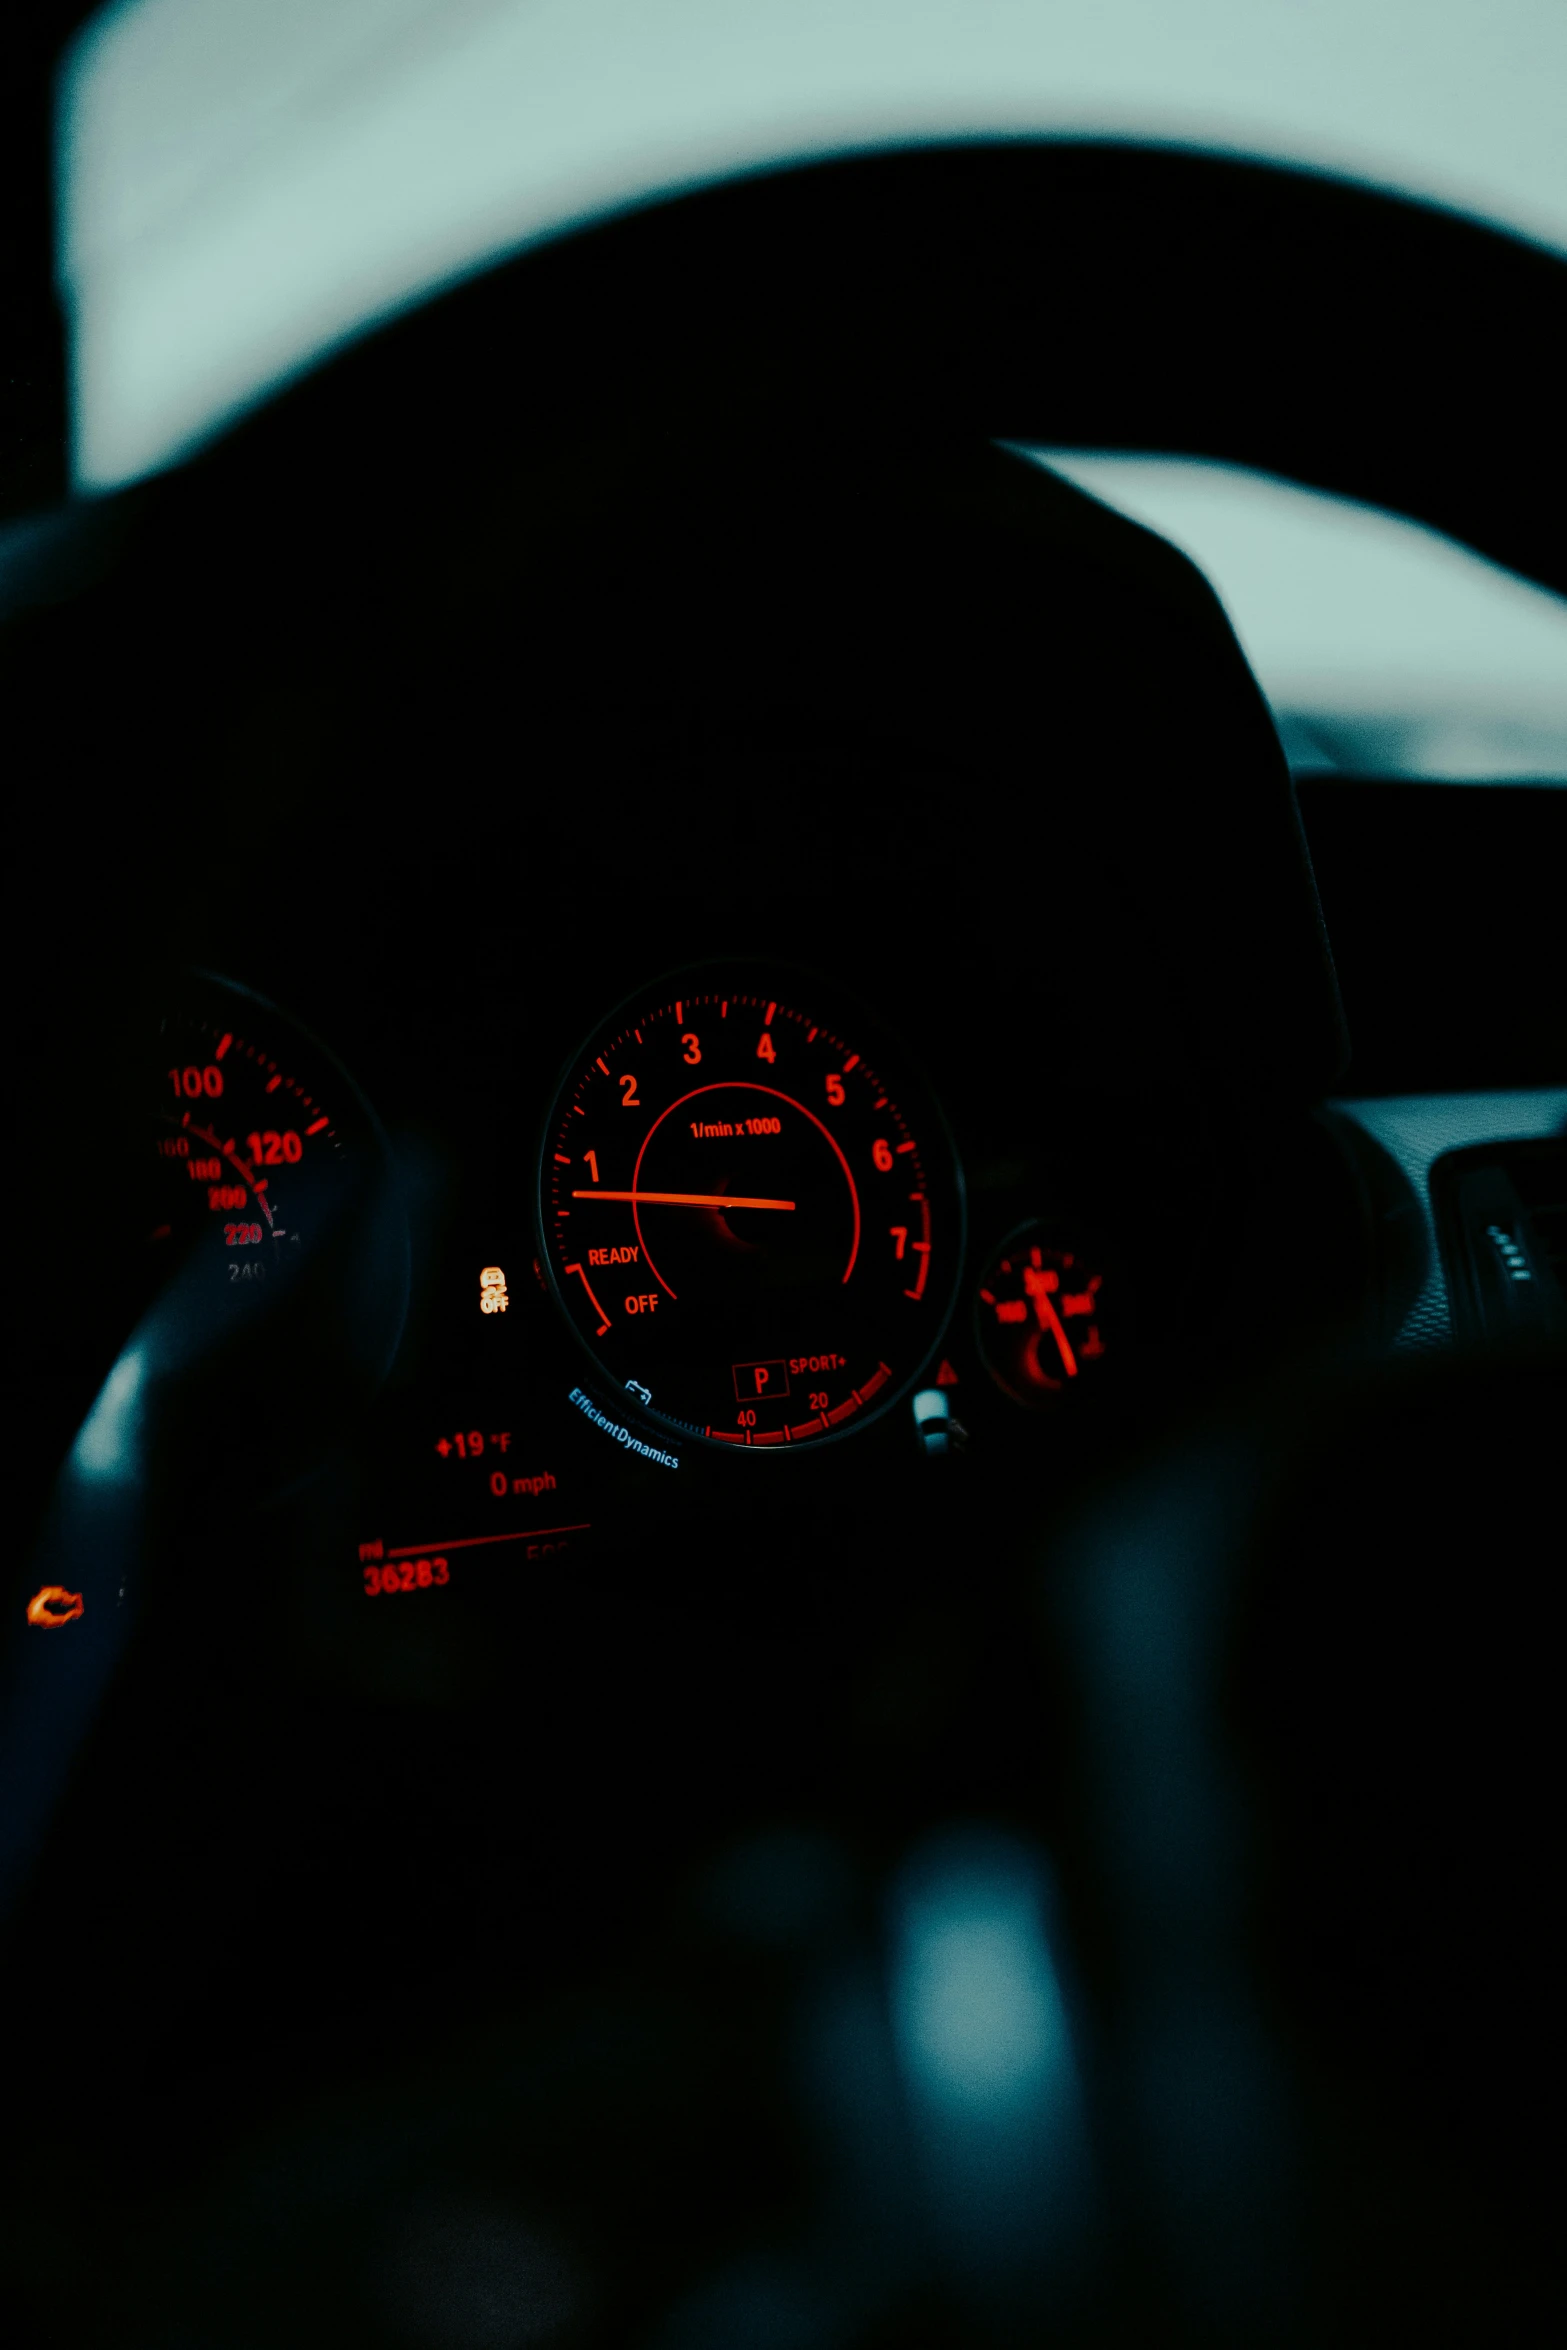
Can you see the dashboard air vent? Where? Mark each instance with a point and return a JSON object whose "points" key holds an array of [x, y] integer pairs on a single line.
{"points": [[1501, 1217]]}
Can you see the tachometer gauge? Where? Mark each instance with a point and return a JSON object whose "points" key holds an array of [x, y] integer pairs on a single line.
{"points": [[1039, 1318], [750, 1211]]}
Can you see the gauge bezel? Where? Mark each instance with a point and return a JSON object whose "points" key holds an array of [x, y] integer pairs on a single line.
{"points": [[848, 1011], [1040, 1227]]}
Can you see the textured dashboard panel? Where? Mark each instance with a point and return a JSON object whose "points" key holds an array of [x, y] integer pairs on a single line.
{"points": [[1415, 1129]]}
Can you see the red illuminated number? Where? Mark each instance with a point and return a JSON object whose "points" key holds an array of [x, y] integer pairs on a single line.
{"points": [[593, 1164], [764, 1048], [900, 1235], [818, 1402], [881, 1153], [407, 1575], [498, 1483], [274, 1150], [225, 1195], [628, 1094], [242, 1235], [472, 1443], [193, 1083], [835, 1091], [693, 1051], [747, 1419]]}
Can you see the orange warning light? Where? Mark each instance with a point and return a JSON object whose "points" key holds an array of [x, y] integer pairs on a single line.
{"points": [[53, 1606], [492, 1290]]}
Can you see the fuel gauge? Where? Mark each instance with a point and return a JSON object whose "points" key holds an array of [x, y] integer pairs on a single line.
{"points": [[1039, 1318]]}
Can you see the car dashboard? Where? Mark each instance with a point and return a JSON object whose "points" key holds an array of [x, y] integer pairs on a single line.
{"points": [[897, 848], [671, 1062]]}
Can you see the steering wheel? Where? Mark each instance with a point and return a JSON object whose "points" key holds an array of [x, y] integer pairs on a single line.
{"points": [[733, 2154]]}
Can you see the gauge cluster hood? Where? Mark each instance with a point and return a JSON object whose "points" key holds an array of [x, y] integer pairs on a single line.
{"points": [[793, 765]]}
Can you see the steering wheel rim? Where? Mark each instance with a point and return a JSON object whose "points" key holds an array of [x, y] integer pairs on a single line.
{"points": [[1088, 293]]}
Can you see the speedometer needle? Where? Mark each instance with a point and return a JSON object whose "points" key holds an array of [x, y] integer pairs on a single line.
{"points": [[684, 1199]]}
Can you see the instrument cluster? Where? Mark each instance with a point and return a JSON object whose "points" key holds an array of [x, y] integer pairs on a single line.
{"points": [[744, 1230]]}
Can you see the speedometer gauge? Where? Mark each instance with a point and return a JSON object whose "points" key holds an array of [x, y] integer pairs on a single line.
{"points": [[262, 1168], [255, 1135], [750, 1211]]}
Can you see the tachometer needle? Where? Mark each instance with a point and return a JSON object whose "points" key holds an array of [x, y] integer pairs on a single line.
{"points": [[684, 1199]]}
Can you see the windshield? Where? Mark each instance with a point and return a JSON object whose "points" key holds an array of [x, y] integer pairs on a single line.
{"points": [[1383, 647]]}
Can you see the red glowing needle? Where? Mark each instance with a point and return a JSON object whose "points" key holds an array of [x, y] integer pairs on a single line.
{"points": [[1039, 1285], [597, 1308], [684, 1199]]}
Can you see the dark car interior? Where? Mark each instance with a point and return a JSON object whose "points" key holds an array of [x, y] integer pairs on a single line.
{"points": [[486, 1861]]}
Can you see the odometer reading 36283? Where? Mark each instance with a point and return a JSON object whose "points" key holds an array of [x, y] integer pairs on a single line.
{"points": [[752, 1217]]}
